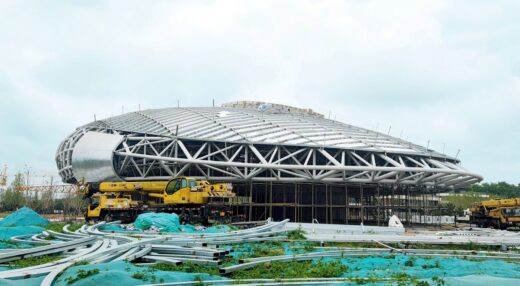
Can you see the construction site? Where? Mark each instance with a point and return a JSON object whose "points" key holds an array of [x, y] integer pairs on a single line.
{"points": [[250, 193]]}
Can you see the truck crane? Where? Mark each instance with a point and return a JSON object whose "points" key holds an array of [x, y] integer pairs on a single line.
{"points": [[499, 214], [193, 200]]}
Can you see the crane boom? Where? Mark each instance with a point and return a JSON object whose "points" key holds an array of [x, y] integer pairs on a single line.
{"points": [[157, 186]]}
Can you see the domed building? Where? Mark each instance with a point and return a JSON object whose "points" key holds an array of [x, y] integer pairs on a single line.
{"points": [[286, 162]]}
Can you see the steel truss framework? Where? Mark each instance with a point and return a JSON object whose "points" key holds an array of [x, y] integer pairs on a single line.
{"points": [[141, 157]]}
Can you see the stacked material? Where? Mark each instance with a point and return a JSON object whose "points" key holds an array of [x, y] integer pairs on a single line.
{"points": [[91, 245], [343, 229]]}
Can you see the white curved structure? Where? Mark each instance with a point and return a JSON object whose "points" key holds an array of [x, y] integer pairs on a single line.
{"points": [[252, 141]]}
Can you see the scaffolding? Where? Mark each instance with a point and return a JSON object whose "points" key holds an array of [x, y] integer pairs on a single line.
{"points": [[335, 203]]}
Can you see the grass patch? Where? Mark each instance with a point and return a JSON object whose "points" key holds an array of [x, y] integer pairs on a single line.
{"points": [[58, 226], [32, 261], [449, 246], [266, 249], [187, 267], [297, 234], [75, 226], [50, 237], [463, 201], [397, 278], [55, 226], [437, 264], [81, 262], [410, 262], [355, 244], [10, 242], [301, 269], [302, 247], [81, 274]]}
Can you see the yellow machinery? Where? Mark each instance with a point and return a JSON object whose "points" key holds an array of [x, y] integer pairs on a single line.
{"points": [[496, 213], [193, 200]]}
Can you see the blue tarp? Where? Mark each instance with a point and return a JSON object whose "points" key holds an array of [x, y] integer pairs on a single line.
{"points": [[165, 222]]}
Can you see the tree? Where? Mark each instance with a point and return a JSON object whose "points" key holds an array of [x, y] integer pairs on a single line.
{"points": [[11, 199], [74, 204]]}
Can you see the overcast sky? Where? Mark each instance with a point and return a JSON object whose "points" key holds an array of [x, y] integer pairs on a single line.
{"points": [[443, 71]]}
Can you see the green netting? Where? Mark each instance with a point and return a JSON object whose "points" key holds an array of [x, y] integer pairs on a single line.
{"points": [[481, 280], [6, 245], [24, 221], [22, 217], [36, 281], [7, 232], [453, 271], [426, 268], [124, 273]]}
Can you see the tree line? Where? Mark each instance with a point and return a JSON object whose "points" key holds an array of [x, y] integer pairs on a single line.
{"points": [[496, 190], [46, 202]]}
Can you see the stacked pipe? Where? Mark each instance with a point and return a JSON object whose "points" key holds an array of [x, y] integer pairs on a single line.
{"points": [[93, 245]]}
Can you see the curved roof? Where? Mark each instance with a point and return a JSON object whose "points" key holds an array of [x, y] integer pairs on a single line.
{"points": [[260, 123], [249, 141]]}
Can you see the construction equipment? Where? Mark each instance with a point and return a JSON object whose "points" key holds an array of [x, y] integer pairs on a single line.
{"points": [[193, 200], [499, 214]]}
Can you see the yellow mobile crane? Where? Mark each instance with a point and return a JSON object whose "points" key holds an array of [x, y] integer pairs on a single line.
{"points": [[496, 213], [193, 200]]}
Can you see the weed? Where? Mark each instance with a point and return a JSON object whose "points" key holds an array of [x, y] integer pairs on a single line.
{"points": [[32, 261], [153, 279], [262, 250], [309, 246], [437, 264], [410, 262], [74, 226], [55, 226], [438, 281], [58, 226], [198, 280], [297, 234], [81, 262], [140, 276], [10, 242], [81, 274], [187, 267], [293, 270], [50, 237]]}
